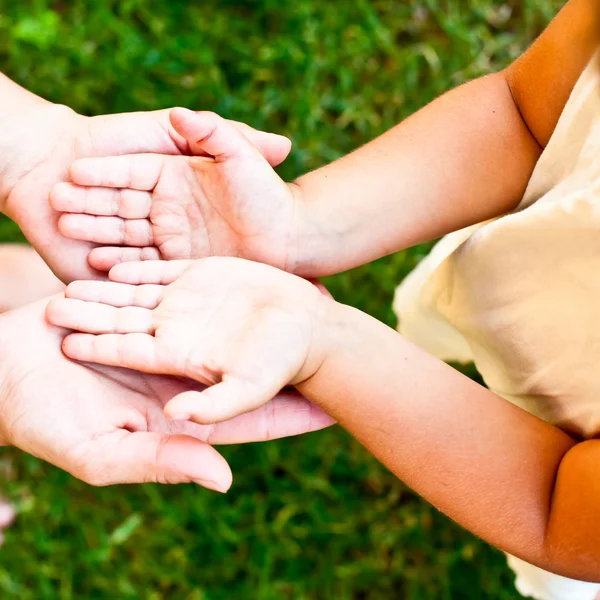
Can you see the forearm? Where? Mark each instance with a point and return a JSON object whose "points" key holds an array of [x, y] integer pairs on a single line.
{"points": [[16, 103], [14, 98], [484, 462], [464, 158]]}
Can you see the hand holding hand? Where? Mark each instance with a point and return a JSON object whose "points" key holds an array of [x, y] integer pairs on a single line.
{"points": [[106, 425], [244, 329], [226, 200], [40, 141]]}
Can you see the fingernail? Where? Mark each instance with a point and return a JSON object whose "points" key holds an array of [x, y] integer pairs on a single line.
{"points": [[212, 485]]}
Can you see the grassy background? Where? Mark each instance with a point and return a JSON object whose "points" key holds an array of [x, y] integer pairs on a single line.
{"points": [[306, 518]]}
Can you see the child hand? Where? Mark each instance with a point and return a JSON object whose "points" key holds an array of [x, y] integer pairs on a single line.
{"points": [[244, 329], [226, 200]]}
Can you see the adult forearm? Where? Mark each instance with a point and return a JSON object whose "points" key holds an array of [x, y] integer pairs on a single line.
{"points": [[16, 103], [464, 158], [484, 462], [13, 97]]}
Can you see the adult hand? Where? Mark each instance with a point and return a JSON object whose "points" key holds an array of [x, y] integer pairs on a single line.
{"points": [[38, 143], [106, 425], [142, 206]]}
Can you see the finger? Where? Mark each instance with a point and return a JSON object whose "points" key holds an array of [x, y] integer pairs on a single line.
{"points": [[106, 230], [135, 171], [119, 295], [90, 317], [207, 132], [105, 258], [125, 203], [134, 132], [135, 351], [275, 148], [142, 457], [288, 414], [225, 400], [159, 272]]}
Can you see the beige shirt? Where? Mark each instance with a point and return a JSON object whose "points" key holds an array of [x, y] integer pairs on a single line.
{"points": [[520, 294]]}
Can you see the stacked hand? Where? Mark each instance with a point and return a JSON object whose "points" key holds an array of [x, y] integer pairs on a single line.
{"points": [[242, 328], [224, 201], [106, 425], [41, 141]]}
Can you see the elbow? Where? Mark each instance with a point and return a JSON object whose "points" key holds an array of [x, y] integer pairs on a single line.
{"points": [[571, 545], [511, 79]]}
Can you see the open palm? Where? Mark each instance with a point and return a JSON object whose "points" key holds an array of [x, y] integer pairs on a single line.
{"points": [[106, 425], [226, 200], [44, 141]]}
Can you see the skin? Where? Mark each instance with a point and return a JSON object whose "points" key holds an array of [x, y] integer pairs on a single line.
{"points": [[174, 207], [16, 289], [469, 452], [235, 204], [176, 329], [106, 425], [229, 318], [40, 141], [380, 199], [24, 277]]}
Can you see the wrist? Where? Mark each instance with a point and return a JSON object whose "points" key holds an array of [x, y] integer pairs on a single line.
{"points": [[297, 253], [29, 136], [356, 348], [309, 238], [14, 98], [328, 327]]}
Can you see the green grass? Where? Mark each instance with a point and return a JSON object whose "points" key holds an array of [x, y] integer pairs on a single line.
{"points": [[314, 517]]}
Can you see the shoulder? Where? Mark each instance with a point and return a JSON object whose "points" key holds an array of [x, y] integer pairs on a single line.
{"points": [[542, 79]]}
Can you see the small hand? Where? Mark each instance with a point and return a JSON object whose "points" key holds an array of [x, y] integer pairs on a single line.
{"points": [[106, 425], [244, 329], [39, 143], [148, 206]]}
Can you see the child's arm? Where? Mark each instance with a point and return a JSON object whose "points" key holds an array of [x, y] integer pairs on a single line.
{"points": [[464, 158], [507, 476], [249, 329]]}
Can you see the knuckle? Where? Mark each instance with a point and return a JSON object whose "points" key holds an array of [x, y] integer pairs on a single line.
{"points": [[115, 202]]}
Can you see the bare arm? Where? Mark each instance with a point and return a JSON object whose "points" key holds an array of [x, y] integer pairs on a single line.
{"points": [[13, 96], [464, 158], [507, 476], [519, 483], [248, 329], [15, 104]]}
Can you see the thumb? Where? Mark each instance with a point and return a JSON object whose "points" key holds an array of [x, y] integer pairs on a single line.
{"points": [[142, 457], [275, 148], [208, 133]]}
